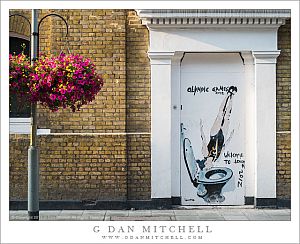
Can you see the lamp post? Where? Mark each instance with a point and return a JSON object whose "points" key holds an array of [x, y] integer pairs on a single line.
{"points": [[33, 150]]}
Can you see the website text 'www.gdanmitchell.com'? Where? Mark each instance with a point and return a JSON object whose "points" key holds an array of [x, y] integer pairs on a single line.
{"points": [[152, 232], [152, 237]]}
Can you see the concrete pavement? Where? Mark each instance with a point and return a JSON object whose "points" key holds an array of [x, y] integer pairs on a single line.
{"points": [[176, 214]]}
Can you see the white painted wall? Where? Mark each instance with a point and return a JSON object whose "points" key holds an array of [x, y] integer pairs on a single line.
{"points": [[250, 141], [214, 40], [167, 44], [175, 122], [161, 124], [265, 124]]}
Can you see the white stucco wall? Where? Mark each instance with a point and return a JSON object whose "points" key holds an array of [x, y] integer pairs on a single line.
{"points": [[258, 46], [214, 40]]}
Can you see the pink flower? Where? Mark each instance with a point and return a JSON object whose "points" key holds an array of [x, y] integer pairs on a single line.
{"points": [[52, 97], [49, 78], [69, 89], [62, 91], [50, 82]]}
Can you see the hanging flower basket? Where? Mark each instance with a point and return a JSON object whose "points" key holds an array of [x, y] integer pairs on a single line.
{"points": [[57, 82], [20, 72]]}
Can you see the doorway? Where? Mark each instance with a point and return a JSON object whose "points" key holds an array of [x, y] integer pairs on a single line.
{"points": [[212, 118]]}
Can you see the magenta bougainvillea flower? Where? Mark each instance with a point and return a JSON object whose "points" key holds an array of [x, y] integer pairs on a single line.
{"points": [[56, 81]]}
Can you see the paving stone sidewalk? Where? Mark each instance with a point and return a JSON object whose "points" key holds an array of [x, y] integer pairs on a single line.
{"points": [[178, 214]]}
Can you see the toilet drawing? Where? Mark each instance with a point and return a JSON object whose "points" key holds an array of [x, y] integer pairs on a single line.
{"points": [[209, 182], [208, 179]]}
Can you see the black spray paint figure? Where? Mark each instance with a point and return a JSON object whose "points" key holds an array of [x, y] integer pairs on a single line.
{"points": [[219, 130], [211, 151]]}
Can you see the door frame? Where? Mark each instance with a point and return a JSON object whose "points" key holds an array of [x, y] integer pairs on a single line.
{"points": [[248, 80], [169, 38]]}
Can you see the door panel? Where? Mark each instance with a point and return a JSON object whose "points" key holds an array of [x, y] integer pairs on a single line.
{"points": [[212, 129]]}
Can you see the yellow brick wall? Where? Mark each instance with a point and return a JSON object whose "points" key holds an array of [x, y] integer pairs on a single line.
{"points": [[138, 108], [139, 168], [72, 167], [84, 167], [99, 35], [138, 94], [17, 24], [283, 165], [283, 112]]}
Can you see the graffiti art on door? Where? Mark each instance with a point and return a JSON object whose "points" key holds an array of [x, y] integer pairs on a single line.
{"points": [[205, 175]]}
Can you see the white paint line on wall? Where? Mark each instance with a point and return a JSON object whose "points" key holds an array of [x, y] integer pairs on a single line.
{"points": [[43, 131], [100, 134], [283, 132]]}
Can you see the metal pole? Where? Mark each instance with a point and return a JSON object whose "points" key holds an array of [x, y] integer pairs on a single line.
{"points": [[33, 151]]}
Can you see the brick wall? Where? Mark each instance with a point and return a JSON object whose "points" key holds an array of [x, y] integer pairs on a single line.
{"points": [[18, 25], [138, 84], [72, 167], [283, 165], [99, 35], [138, 105], [92, 164], [85, 167], [139, 168], [283, 112]]}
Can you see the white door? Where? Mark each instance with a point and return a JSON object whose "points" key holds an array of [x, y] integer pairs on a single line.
{"points": [[212, 129]]}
